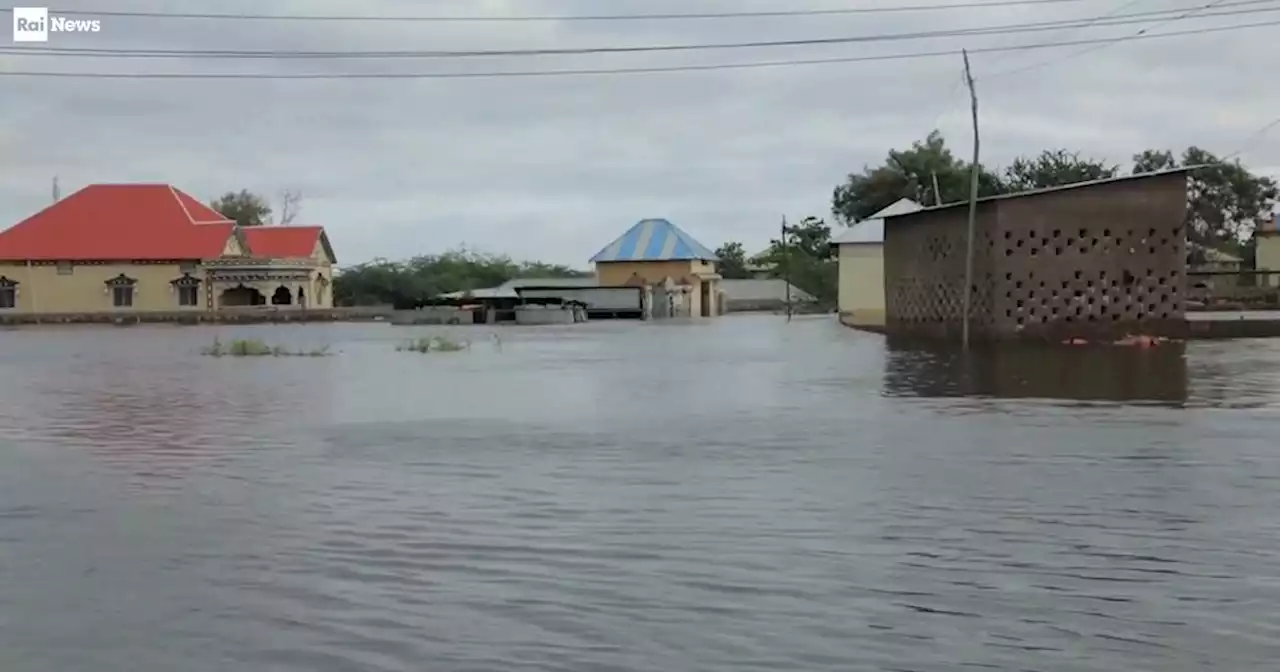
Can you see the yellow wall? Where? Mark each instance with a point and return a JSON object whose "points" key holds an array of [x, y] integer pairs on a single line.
{"points": [[1268, 258], [42, 289], [862, 283], [654, 272]]}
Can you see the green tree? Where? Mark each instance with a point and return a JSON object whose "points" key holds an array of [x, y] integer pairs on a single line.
{"points": [[381, 282], [909, 174], [245, 208], [733, 261], [1226, 202], [803, 256], [1054, 168]]}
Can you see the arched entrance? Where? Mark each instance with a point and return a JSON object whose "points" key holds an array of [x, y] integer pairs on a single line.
{"points": [[282, 296], [241, 295], [302, 298]]}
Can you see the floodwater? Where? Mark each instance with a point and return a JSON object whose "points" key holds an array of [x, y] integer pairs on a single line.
{"points": [[740, 494]]}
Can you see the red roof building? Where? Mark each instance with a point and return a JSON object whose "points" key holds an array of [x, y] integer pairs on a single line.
{"points": [[144, 222], [151, 247]]}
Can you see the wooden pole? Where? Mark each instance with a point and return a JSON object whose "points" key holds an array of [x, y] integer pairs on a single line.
{"points": [[786, 265], [973, 206], [937, 193]]}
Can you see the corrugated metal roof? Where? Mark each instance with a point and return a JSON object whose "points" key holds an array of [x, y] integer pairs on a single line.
{"points": [[517, 283], [1063, 187], [489, 293], [871, 229], [654, 240]]}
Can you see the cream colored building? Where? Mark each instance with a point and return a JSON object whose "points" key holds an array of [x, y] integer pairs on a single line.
{"points": [[861, 262], [136, 248], [1268, 251]]}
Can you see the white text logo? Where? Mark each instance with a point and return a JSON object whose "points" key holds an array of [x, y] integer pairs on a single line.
{"points": [[33, 24]]}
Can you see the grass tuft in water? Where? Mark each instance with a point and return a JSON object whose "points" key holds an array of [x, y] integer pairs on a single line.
{"points": [[433, 344], [252, 347]]}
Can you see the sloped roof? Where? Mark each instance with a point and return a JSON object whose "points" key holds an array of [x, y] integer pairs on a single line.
{"points": [[286, 241], [119, 221], [152, 222], [573, 283], [654, 240], [871, 229]]}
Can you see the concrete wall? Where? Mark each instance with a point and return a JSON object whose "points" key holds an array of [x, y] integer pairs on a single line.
{"points": [[861, 287], [532, 315], [1092, 261], [1268, 256]]}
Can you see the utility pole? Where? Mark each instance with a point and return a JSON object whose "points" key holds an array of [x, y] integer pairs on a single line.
{"points": [[937, 193], [973, 206], [786, 265]]}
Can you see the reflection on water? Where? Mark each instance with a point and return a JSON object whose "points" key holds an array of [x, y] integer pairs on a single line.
{"points": [[1086, 373], [737, 494]]}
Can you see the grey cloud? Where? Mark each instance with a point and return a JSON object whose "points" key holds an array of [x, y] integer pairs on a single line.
{"points": [[553, 168]]}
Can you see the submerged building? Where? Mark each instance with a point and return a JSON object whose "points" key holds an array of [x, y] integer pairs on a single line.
{"points": [[860, 258], [677, 272], [1099, 258], [153, 248]]}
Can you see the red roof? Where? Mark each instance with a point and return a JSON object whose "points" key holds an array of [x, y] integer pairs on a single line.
{"points": [[282, 241], [140, 221]]}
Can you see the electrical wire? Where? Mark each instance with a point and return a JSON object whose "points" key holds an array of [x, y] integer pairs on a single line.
{"points": [[620, 71], [1258, 134], [571, 17], [1034, 66], [1141, 17]]}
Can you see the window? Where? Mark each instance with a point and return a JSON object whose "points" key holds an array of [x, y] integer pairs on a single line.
{"points": [[8, 293], [122, 297], [65, 268], [187, 289], [122, 290]]}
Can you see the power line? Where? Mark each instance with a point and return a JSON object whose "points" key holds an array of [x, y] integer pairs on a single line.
{"points": [[1185, 15], [1258, 134], [588, 17], [1140, 17], [620, 71]]}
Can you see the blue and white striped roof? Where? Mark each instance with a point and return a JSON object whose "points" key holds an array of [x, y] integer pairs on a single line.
{"points": [[654, 240]]}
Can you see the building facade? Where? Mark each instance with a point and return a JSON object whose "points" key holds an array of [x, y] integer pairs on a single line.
{"points": [[678, 272], [1090, 260], [136, 248], [1267, 252], [860, 258]]}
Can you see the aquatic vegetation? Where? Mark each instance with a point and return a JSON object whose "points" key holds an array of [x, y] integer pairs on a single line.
{"points": [[252, 347]]}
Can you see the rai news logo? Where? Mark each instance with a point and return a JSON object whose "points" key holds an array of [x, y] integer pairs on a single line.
{"points": [[33, 24]]}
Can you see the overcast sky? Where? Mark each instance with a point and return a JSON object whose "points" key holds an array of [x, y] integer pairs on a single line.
{"points": [[553, 168]]}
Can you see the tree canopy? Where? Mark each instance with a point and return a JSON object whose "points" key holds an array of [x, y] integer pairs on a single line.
{"points": [[244, 208], [1227, 202], [733, 261], [381, 282], [1226, 199]]}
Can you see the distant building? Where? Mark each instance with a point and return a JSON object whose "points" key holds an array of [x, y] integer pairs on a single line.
{"points": [[1267, 257], [677, 272], [1094, 259], [154, 248], [759, 294], [860, 255]]}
